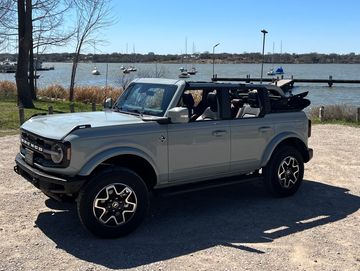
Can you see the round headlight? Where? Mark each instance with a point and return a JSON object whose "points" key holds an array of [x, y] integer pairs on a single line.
{"points": [[57, 154]]}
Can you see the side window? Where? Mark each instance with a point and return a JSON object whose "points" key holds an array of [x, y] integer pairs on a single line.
{"points": [[195, 101]]}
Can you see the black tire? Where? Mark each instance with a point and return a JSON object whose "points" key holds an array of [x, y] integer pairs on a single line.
{"points": [[284, 172], [113, 203]]}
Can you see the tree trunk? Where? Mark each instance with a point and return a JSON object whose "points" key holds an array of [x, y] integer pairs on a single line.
{"points": [[24, 33], [73, 74], [32, 73]]}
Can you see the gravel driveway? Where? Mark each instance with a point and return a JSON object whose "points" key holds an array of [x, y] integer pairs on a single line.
{"points": [[237, 227]]}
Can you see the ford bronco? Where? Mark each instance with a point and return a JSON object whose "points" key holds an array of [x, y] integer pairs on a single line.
{"points": [[161, 133]]}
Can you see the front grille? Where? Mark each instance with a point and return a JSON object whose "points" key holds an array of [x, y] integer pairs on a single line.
{"points": [[39, 146]]}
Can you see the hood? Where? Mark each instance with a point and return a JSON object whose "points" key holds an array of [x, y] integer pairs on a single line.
{"points": [[58, 125]]}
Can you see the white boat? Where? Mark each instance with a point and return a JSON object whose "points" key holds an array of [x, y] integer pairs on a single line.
{"points": [[8, 66], [184, 74], [95, 71], [192, 71], [182, 69]]}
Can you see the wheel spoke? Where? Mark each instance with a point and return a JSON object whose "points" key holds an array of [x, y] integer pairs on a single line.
{"points": [[288, 172], [114, 208]]}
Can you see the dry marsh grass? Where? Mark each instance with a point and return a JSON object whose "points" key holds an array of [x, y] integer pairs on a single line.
{"points": [[346, 113], [90, 94], [8, 89], [53, 92], [85, 94]]}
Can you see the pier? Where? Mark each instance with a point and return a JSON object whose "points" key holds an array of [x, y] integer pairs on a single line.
{"points": [[287, 83]]}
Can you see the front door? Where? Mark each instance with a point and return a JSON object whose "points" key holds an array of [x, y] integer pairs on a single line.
{"points": [[198, 149]]}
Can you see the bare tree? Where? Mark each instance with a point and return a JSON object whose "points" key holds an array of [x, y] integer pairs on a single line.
{"points": [[7, 12], [92, 16], [39, 25], [48, 21]]}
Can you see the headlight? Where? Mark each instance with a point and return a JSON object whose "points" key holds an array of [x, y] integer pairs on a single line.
{"points": [[57, 153]]}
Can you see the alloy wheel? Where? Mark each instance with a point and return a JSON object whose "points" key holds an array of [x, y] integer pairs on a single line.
{"points": [[115, 204], [288, 172]]}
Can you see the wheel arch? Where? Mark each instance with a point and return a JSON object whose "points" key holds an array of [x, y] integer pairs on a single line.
{"points": [[135, 160], [289, 139]]}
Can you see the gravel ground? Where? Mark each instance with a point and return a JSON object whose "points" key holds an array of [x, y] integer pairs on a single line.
{"points": [[236, 227]]}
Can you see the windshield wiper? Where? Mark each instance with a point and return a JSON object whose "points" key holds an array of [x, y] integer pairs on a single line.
{"points": [[120, 110]]}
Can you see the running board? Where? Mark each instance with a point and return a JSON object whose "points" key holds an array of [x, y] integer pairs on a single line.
{"points": [[200, 186]]}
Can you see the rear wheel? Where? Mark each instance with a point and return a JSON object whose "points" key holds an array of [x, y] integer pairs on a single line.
{"points": [[284, 172], [113, 203]]}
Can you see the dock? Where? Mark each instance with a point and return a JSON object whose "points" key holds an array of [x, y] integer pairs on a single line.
{"points": [[287, 83]]}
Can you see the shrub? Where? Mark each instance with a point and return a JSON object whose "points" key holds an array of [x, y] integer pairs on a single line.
{"points": [[335, 112], [8, 89], [89, 94], [54, 92]]}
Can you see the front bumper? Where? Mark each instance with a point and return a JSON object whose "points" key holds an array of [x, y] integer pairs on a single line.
{"points": [[311, 153], [46, 182]]}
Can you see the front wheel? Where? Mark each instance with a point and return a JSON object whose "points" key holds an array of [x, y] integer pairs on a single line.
{"points": [[284, 172], [113, 203]]}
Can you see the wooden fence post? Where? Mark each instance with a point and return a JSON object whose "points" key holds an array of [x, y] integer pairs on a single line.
{"points": [[93, 106], [50, 110], [321, 113], [358, 115], [21, 115], [72, 109]]}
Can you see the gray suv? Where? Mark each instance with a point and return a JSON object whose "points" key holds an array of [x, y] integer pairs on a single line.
{"points": [[163, 133]]}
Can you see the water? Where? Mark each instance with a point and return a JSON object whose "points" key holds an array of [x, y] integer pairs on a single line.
{"points": [[319, 94]]}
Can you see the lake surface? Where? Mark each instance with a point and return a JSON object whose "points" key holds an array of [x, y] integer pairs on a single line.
{"points": [[319, 94]]}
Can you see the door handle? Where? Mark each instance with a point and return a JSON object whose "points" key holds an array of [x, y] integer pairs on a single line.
{"points": [[219, 133]]}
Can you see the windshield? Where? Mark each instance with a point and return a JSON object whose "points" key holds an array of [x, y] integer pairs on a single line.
{"points": [[144, 98]]}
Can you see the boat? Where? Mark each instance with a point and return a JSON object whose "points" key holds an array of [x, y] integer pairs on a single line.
{"points": [[132, 69], [279, 70], [182, 69], [271, 72], [126, 71], [8, 66], [95, 71], [184, 74], [38, 65], [192, 71], [122, 67]]}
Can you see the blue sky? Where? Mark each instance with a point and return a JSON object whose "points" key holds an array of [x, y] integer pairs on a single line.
{"points": [[304, 26]]}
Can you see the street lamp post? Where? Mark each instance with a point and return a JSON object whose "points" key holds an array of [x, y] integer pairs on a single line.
{"points": [[214, 59], [262, 61]]}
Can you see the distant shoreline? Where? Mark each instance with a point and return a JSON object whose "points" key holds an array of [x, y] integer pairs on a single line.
{"points": [[201, 58]]}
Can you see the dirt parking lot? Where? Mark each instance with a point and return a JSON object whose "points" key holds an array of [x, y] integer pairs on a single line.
{"points": [[237, 227]]}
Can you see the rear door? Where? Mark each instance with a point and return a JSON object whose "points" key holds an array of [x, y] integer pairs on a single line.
{"points": [[249, 138]]}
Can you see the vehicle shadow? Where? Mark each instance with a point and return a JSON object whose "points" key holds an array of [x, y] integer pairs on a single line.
{"points": [[185, 223]]}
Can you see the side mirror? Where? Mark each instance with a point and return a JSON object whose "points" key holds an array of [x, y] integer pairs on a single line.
{"points": [[108, 104], [178, 115]]}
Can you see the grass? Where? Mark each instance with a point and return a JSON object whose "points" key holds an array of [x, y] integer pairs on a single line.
{"points": [[9, 115], [53, 95]]}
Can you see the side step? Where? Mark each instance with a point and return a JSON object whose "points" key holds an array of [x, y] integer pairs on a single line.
{"points": [[204, 185]]}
